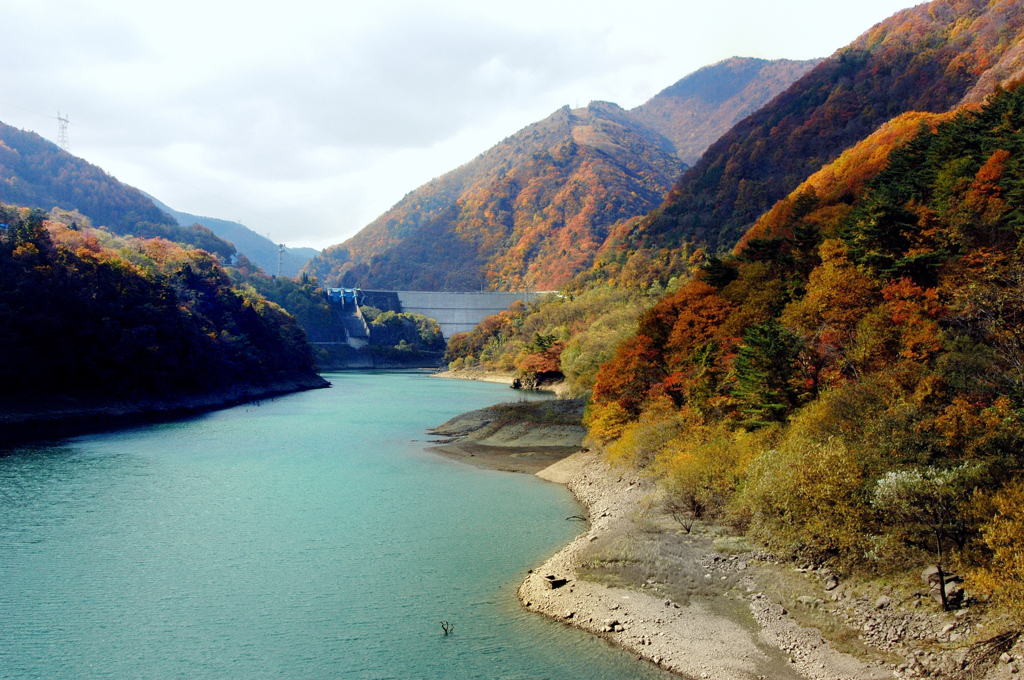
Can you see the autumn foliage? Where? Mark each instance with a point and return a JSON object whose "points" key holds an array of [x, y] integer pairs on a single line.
{"points": [[926, 58], [576, 332], [868, 330], [531, 213]]}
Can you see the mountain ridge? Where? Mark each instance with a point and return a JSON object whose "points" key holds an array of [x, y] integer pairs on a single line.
{"points": [[693, 112], [532, 218], [386, 251], [36, 173], [926, 58], [258, 248]]}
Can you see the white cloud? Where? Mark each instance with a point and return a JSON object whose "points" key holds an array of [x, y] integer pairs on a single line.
{"points": [[308, 119]]}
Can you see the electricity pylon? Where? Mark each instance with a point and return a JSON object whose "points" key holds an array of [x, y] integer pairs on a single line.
{"points": [[62, 132]]}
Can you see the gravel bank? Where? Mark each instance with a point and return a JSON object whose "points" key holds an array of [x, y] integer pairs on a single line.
{"points": [[560, 389], [513, 437], [727, 629], [485, 376]]}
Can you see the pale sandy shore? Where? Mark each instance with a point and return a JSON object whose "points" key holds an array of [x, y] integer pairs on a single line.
{"points": [[733, 632], [727, 630], [484, 376], [559, 389]]}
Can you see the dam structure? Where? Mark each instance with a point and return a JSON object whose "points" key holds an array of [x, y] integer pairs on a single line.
{"points": [[454, 312]]}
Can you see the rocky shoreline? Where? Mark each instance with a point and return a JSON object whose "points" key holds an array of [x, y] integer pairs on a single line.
{"points": [[558, 388], [481, 375], [737, 623], [708, 605], [525, 437], [27, 423]]}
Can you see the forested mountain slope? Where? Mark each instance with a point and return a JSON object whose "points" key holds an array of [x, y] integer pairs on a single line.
{"points": [[37, 173], [258, 248], [540, 220], [858, 357], [88, 317], [927, 58], [694, 112], [427, 202], [495, 237], [845, 387]]}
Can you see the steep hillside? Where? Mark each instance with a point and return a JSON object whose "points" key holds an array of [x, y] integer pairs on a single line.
{"points": [[258, 248], [847, 386], [379, 255], [542, 216], [927, 58], [418, 207], [38, 174], [694, 112]]}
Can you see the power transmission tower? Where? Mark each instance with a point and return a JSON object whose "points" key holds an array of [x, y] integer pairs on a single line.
{"points": [[280, 258], [62, 132]]}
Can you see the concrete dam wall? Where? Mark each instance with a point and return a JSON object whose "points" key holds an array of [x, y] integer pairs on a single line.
{"points": [[458, 312], [454, 312]]}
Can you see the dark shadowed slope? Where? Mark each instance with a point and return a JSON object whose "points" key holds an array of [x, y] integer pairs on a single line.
{"points": [[37, 173]]}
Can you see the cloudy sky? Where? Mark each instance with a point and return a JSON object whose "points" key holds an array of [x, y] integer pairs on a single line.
{"points": [[307, 119]]}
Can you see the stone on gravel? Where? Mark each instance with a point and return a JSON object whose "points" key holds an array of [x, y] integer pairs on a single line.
{"points": [[555, 582]]}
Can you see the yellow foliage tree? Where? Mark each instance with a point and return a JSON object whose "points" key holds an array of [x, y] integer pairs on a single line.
{"points": [[807, 496], [639, 442], [838, 295], [701, 468], [605, 421], [1003, 534]]}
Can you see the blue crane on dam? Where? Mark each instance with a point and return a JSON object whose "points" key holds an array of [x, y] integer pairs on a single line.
{"points": [[346, 297], [346, 303]]}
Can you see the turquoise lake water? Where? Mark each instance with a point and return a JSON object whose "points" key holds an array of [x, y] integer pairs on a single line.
{"points": [[311, 536]]}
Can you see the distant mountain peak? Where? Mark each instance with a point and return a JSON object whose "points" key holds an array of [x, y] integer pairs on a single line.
{"points": [[260, 250], [926, 58], [721, 81], [535, 209], [697, 109]]}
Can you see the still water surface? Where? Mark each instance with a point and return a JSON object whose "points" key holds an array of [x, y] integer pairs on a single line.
{"points": [[311, 536]]}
